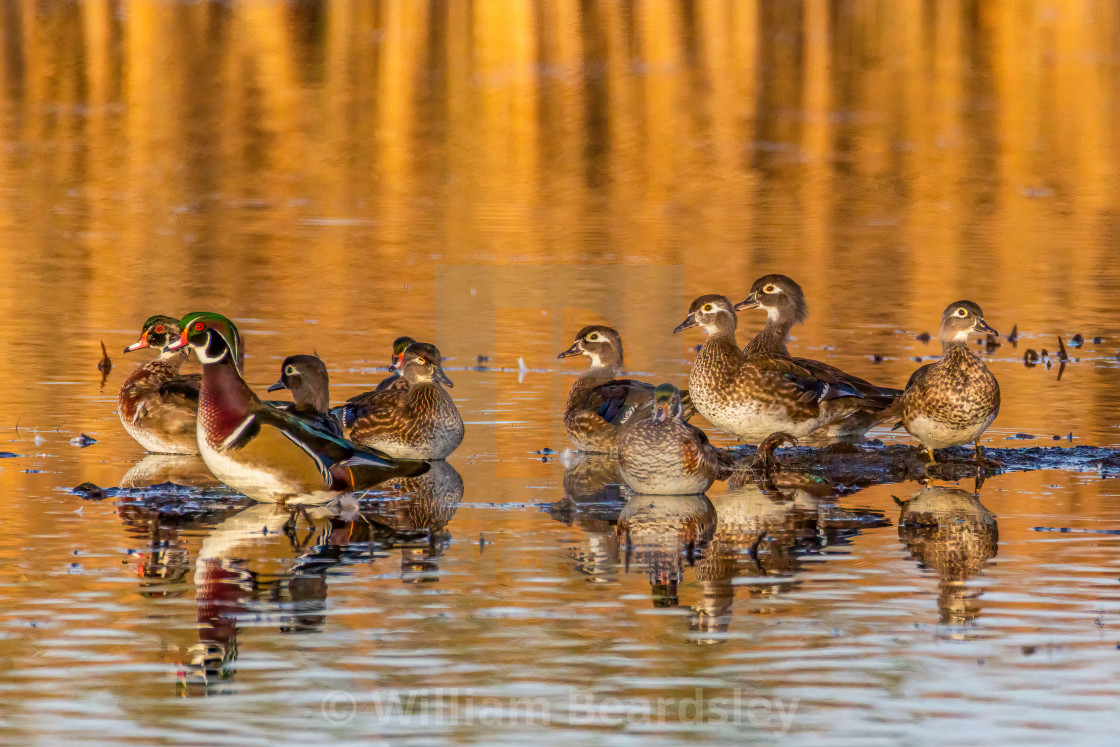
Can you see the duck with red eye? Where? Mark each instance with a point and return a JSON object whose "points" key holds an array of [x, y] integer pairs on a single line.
{"points": [[395, 380], [306, 377], [268, 454], [158, 405], [417, 422], [599, 404], [784, 303], [953, 401], [664, 455]]}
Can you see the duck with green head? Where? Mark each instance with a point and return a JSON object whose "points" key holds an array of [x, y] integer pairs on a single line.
{"points": [[158, 406], [269, 454], [395, 380]]}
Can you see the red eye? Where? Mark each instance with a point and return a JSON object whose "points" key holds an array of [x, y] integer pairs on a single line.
{"points": [[199, 326], [159, 329]]}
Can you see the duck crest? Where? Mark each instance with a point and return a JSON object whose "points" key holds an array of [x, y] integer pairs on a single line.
{"points": [[224, 401]]}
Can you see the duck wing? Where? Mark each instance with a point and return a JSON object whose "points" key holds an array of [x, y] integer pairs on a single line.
{"points": [[182, 389], [394, 382], [811, 383], [620, 401], [831, 373]]}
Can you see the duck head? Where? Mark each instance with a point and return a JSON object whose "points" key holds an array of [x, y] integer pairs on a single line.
{"points": [[158, 332], [422, 362], [780, 297], [666, 403], [959, 320], [602, 344], [713, 313], [399, 346], [213, 338], [305, 376]]}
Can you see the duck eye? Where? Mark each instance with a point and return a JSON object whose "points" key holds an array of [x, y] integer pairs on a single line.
{"points": [[770, 289], [159, 330], [290, 371], [593, 337], [420, 360], [199, 326], [707, 307], [962, 312]]}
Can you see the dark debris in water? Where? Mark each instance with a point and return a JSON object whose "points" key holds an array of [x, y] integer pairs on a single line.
{"points": [[8, 454], [83, 441]]}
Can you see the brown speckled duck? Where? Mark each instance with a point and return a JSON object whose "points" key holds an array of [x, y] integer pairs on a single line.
{"points": [[158, 406], [664, 455], [420, 422], [598, 404], [760, 391], [953, 401], [306, 377]]}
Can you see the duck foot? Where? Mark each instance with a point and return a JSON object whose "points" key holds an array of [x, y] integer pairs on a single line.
{"points": [[986, 464], [764, 460]]}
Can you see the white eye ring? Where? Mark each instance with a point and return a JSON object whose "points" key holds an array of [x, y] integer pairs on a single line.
{"points": [[962, 312], [707, 307], [770, 289]]}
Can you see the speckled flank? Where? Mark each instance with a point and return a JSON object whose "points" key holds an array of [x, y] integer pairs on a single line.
{"points": [[951, 402], [417, 422], [666, 458], [162, 419]]}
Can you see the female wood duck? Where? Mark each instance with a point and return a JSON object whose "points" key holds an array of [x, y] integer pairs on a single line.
{"points": [[755, 394], [419, 422], [305, 376], [784, 303], [266, 453], [664, 455], [598, 404], [158, 406], [953, 401]]}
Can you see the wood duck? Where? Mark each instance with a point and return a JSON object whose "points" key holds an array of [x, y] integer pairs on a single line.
{"points": [[395, 380], [417, 422], [953, 401], [305, 376], [268, 454], [755, 394], [784, 303], [664, 455], [158, 406], [598, 404]]}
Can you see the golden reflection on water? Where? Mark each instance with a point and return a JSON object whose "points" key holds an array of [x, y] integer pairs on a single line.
{"points": [[494, 175]]}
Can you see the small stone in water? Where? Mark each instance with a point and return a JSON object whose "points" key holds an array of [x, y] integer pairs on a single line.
{"points": [[924, 337], [82, 441], [1022, 436], [90, 492], [1030, 358], [1098, 340], [876, 358], [8, 454], [1076, 341], [917, 359]]}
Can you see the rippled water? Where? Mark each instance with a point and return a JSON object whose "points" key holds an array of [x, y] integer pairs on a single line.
{"points": [[492, 176]]}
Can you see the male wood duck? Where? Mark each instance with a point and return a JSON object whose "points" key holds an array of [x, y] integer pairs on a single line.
{"points": [[664, 455], [395, 380], [953, 401], [784, 303], [755, 394], [417, 422], [598, 404], [306, 378], [270, 455], [158, 406]]}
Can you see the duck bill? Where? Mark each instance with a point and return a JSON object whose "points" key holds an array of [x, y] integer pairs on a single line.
{"points": [[277, 386], [441, 377], [982, 326], [750, 302], [395, 364], [660, 413], [141, 343], [180, 343], [688, 323], [572, 351]]}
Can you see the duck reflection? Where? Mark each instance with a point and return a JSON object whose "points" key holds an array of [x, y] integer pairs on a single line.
{"points": [[594, 495], [761, 533], [181, 469], [661, 532], [949, 531], [422, 504]]}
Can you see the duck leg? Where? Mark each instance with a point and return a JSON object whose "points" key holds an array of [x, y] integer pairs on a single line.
{"points": [[983, 461]]}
